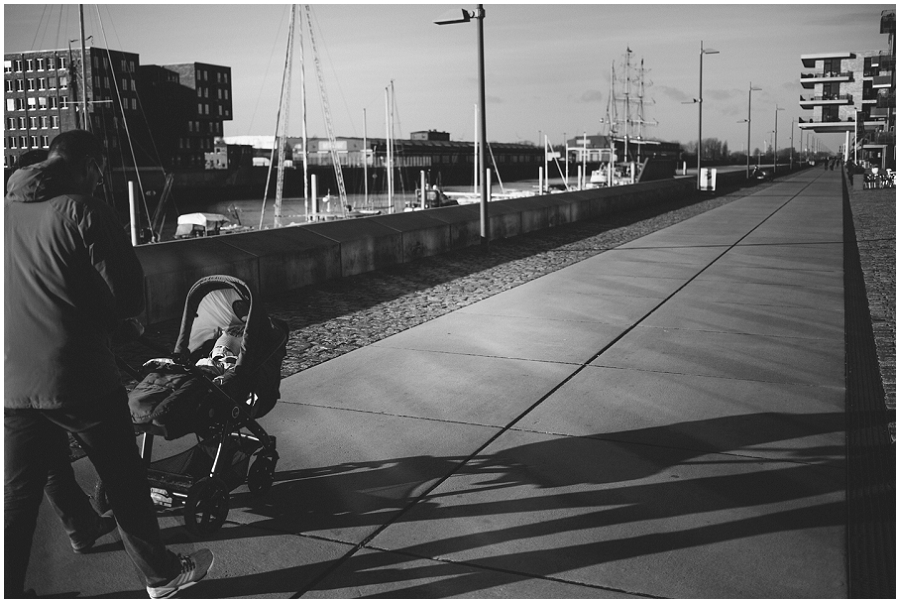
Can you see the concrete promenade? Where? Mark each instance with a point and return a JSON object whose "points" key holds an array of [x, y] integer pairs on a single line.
{"points": [[665, 419]]}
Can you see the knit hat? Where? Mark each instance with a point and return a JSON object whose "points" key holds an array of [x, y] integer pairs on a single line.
{"points": [[229, 343]]}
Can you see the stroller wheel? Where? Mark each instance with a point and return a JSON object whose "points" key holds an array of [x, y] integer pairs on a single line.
{"points": [[101, 502], [261, 475], [206, 507]]}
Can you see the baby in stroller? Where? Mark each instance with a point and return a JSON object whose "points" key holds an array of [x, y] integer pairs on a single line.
{"points": [[224, 354]]}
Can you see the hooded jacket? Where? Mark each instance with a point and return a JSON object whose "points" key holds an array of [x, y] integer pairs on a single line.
{"points": [[71, 276]]}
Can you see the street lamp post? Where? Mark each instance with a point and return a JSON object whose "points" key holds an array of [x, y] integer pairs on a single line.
{"points": [[703, 51], [465, 17], [749, 101], [775, 142]]}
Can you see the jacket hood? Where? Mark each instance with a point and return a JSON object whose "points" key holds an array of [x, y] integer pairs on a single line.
{"points": [[38, 182]]}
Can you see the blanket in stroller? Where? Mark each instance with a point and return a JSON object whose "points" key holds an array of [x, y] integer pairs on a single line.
{"points": [[173, 400]]}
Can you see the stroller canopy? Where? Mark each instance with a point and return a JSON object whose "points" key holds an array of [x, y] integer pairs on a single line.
{"points": [[214, 305]]}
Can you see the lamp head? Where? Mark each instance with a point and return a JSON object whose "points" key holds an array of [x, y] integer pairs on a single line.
{"points": [[457, 15]]}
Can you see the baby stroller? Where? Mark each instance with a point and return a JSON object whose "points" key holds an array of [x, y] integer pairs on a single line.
{"points": [[176, 397]]}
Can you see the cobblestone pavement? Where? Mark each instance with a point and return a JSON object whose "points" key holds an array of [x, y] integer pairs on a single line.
{"points": [[336, 317], [874, 218]]}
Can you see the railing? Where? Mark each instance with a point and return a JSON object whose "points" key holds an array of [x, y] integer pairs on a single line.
{"points": [[828, 97], [826, 74]]}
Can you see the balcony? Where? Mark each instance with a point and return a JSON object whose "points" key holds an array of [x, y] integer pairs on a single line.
{"points": [[882, 81], [809, 60], [826, 99], [808, 80], [828, 125]]}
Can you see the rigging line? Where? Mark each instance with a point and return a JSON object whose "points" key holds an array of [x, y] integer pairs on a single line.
{"points": [[37, 30], [334, 74], [58, 27], [141, 108], [262, 86], [122, 110]]}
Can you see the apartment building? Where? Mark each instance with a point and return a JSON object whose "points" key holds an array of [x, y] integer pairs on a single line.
{"points": [[186, 107], [854, 93], [45, 95], [145, 115]]}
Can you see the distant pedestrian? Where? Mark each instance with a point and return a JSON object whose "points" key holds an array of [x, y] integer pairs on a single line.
{"points": [[71, 277]]}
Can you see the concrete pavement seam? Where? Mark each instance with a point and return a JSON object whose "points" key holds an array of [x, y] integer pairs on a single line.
{"points": [[365, 542]]}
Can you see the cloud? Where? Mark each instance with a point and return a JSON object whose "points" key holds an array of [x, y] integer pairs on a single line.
{"points": [[673, 93]]}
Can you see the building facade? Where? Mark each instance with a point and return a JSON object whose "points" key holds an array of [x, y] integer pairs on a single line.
{"points": [[45, 95], [186, 106], [854, 93]]}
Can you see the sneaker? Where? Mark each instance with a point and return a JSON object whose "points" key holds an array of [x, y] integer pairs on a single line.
{"points": [[193, 569], [105, 525]]}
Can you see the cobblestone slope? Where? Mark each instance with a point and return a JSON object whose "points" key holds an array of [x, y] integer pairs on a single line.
{"points": [[875, 221]]}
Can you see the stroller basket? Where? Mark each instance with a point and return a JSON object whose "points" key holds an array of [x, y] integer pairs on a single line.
{"points": [[177, 474]]}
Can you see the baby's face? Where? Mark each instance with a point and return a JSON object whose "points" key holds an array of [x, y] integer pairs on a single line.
{"points": [[221, 351]]}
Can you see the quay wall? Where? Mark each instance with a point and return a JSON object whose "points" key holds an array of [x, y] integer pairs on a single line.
{"points": [[275, 261]]}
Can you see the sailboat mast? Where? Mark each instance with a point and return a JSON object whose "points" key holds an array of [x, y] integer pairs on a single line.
{"points": [[282, 134], [281, 107], [365, 160], [304, 133], [86, 122]]}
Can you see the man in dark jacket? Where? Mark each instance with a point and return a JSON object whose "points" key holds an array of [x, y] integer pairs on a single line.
{"points": [[71, 277]]}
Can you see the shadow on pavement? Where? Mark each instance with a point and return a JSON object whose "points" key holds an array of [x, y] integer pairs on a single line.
{"points": [[560, 478]]}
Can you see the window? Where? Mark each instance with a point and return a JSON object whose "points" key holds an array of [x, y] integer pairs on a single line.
{"points": [[63, 81], [42, 83], [20, 104], [54, 122], [20, 85], [13, 142], [53, 102], [32, 103], [7, 67], [18, 65], [42, 102], [134, 104], [23, 142], [29, 64], [51, 63], [52, 82], [45, 122], [63, 62], [45, 142], [10, 85], [30, 84], [10, 123], [41, 64], [23, 123], [63, 100]]}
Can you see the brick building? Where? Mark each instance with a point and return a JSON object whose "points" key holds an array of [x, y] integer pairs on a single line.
{"points": [[186, 106], [171, 113], [44, 97]]}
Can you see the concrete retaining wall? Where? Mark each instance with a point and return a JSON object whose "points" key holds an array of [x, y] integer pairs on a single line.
{"points": [[276, 261]]}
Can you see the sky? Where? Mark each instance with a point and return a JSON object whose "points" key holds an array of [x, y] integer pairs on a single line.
{"points": [[547, 67]]}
